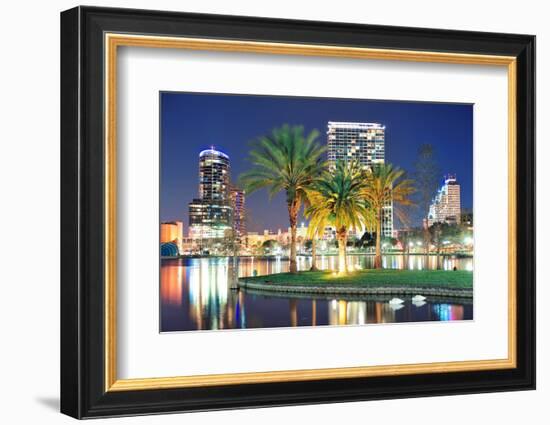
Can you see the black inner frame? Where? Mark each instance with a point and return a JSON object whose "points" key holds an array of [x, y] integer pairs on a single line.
{"points": [[82, 212]]}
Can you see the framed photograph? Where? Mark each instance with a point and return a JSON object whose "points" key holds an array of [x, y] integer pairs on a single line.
{"points": [[261, 212]]}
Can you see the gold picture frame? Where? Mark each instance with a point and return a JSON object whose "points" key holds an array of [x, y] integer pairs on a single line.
{"points": [[114, 41], [91, 40]]}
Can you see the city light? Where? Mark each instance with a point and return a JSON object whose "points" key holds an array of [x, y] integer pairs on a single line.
{"points": [[221, 249]]}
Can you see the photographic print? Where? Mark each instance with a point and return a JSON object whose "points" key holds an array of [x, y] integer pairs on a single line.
{"points": [[280, 211], [276, 181]]}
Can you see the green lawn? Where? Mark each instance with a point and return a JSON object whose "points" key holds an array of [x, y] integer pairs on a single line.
{"points": [[458, 279]]}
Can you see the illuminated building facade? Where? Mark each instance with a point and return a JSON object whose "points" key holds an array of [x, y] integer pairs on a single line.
{"points": [[356, 141], [445, 207], [364, 143], [237, 202], [210, 215], [172, 231]]}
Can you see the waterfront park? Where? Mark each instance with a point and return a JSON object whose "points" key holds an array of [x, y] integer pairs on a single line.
{"points": [[347, 197], [349, 238]]}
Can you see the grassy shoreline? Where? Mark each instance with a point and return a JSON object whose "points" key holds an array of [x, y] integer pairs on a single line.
{"points": [[459, 279]]}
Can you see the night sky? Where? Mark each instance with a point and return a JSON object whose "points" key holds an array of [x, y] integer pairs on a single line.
{"points": [[191, 122]]}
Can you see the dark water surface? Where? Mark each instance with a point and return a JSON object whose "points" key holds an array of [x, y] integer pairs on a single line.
{"points": [[196, 295]]}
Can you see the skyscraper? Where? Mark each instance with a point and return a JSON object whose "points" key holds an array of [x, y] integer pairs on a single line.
{"points": [[237, 201], [445, 207], [364, 143], [210, 215]]}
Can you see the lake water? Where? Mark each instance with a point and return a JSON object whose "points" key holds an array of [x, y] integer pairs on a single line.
{"points": [[196, 294]]}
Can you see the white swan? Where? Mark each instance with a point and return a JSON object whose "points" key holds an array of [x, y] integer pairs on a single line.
{"points": [[418, 298], [396, 307], [419, 303], [396, 301]]}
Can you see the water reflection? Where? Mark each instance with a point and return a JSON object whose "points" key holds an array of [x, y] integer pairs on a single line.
{"points": [[196, 294]]}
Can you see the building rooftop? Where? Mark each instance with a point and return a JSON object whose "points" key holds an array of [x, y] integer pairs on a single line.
{"points": [[362, 125], [213, 151]]}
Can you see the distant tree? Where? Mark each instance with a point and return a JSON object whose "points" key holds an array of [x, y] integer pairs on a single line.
{"points": [[404, 238], [426, 176], [467, 217], [314, 229], [367, 240], [441, 233], [386, 185], [393, 241], [269, 245], [408, 237]]}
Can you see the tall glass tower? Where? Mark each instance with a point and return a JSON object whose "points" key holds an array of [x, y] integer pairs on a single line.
{"points": [[362, 142], [210, 215]]}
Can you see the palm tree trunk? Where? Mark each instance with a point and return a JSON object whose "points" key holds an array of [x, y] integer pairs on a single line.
{"points": [[314, 254], [438, 253], [427, 238], [378, 254], [342, 259], [293, 217]]}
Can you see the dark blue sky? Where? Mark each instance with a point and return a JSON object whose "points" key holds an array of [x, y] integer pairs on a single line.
{"points": [[191, 122]]}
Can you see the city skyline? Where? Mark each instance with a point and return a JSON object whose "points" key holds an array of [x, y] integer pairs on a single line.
{"points": [[191, 123]]}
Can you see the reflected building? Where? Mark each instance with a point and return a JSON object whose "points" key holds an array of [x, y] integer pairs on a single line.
{"points": [[212, 305], [341, 312], [171, 288], [196, 294], [446, 312]]}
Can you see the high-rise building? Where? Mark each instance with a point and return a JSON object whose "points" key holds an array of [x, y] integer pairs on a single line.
{"points": [[213, 175], [210, 215], [364, 143], [445, 207], [237, 202]]}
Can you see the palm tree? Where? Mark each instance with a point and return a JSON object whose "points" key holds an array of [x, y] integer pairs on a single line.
{"points": [[386, 186], [285, 160], [336, 199]]}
